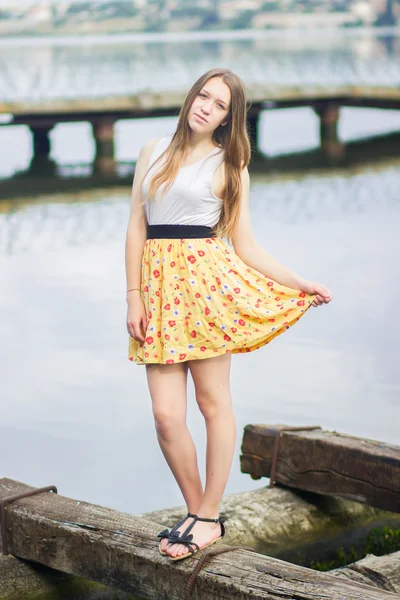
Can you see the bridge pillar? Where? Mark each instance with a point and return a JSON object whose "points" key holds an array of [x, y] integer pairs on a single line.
{"points": [[328, 130], [41, 140], [103, 133], [252, 128]]}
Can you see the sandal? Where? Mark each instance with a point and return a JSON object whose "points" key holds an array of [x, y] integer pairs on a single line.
{"points": [[166, 533], [186, 538]]}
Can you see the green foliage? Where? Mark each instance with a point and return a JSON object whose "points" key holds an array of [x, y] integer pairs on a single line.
{"points": [[382, 541], [243, 21], [356, 23], [271, 6], [379, 541]]}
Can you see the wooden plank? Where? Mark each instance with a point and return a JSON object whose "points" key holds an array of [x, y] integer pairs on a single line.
{"points": [[31, 581], [154, 100], [326, 462], [380, 571], [24, 580], [120, 550]]}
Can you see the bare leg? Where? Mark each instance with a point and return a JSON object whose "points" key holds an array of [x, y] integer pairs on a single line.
{"points": [[167, 386], [211, 380]]}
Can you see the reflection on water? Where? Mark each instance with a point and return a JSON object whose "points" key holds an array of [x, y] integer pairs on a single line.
{"points": [[98, 70], [85, 218], [77, 412]]}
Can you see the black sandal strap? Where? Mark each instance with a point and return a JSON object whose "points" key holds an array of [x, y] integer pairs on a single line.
{"points": [[220, 520], [186, 538], [163, 534], [175, 538], [166, 532], [186, 542]]}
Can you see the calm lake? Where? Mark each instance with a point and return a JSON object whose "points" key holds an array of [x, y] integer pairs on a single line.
{"points": [[77, 414]]}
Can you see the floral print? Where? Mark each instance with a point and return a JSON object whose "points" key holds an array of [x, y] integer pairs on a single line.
{"points": [[202, 300]]}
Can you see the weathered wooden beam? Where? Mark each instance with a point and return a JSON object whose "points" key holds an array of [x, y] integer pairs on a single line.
{"points": [[25, 580], [326, 462], [120, 550], [31, 581], [382, 572]]}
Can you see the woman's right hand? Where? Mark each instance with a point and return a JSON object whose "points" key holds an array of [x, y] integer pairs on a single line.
{"points": [[136, 320]]}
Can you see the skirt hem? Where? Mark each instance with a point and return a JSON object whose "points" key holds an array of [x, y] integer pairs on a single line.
{"points": [[231, 348]]}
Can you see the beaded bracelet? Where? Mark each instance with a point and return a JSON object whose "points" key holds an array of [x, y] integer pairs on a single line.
{"points": [[133, 289]]}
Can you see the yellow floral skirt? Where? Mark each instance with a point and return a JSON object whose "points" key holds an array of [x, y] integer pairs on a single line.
{"points": [[202, 300]]}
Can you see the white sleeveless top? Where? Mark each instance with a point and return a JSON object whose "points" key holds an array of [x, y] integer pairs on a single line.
{"points": [[190, 200]]}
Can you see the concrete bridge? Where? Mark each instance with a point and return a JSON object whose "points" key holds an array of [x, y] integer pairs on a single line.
{"points": [[46, 83]]}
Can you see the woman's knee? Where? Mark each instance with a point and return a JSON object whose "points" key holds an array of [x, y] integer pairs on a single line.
{"points": [[168, 420], [211, 382], [213, 404], [167, 386]]}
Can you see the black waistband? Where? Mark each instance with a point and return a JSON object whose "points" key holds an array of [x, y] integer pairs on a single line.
{"points": [[179, 231]]}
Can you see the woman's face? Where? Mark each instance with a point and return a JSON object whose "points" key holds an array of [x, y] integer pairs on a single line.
{"points": [[211, 106]]}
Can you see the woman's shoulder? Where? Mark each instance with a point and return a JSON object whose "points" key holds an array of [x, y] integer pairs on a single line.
{"points": [[147, 150], [149, 146], [160, 142]]}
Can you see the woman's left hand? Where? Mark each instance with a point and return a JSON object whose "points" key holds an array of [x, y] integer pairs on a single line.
{"points": [[322, 294]]}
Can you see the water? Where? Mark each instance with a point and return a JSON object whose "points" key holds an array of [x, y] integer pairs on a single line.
{"points": [[101, 67], [76, 413]]}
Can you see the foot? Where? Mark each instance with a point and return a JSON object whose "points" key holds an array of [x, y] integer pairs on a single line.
{"points": [[203, 534], [165, 544]]}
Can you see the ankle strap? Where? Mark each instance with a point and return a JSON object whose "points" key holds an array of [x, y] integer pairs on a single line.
{"points": [[218, 520]]}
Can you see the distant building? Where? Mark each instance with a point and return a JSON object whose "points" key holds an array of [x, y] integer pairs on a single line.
{"points": [[39, 14], [19, 17], [229, 9], [365, 11], [303, 20]]}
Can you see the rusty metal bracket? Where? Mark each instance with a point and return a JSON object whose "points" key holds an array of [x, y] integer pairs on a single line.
{"points": [[276, 447], [4, 502]]}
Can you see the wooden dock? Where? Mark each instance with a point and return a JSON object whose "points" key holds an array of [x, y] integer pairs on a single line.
{"points": [[104, 111], [167, 103], [325, 462], [102, 83], [120, 550]]}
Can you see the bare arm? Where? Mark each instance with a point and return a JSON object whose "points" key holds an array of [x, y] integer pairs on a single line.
{"points": [[252, 253], [137, 226], [135, 239], [259, 259]]}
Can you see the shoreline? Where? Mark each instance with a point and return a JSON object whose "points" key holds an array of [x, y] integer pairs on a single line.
{"points": [[223, 35]]}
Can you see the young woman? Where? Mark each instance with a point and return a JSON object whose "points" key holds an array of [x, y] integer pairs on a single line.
{"points": [[192, 300]]}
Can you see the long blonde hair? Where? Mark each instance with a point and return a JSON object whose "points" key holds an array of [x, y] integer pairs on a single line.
{"points": [[232, 137]]}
